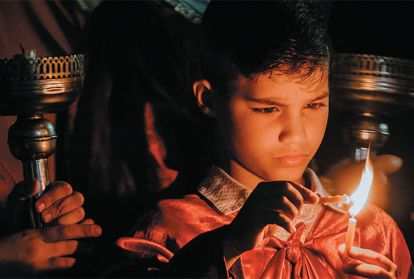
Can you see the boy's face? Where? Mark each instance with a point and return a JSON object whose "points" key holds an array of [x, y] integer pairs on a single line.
{"points": [[273, 125]]}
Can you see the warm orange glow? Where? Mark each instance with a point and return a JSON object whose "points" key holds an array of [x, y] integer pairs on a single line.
{"points": [[360, 195]]}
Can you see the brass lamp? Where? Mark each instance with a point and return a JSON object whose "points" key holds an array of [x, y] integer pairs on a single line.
{"points": [[370, 89], [29, 87]]}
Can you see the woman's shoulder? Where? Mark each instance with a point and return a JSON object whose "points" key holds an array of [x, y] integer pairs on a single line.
{"points": [[181, 203]]}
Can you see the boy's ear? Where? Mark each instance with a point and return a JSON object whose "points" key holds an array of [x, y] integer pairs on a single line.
{"points": [[203, 94]]}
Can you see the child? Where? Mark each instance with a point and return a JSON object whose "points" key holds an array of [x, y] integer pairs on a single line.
{"points": [[257, 213]]}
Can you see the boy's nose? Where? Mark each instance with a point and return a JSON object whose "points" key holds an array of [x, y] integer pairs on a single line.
{"points": [[293, 130]]}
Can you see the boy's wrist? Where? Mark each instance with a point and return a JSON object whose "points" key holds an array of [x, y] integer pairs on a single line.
{"points": [[232, 245], [231, 252]]}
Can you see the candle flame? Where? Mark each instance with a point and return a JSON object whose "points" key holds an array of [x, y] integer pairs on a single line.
{"points": [[360, 195]]}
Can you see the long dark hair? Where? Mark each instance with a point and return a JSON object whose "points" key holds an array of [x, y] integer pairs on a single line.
{"points": [[138, 52]]}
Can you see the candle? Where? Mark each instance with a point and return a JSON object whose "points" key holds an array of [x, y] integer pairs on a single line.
{"points": [[350, 234], [357, 200]]}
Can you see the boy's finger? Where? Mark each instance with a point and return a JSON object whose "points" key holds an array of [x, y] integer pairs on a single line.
{"points": [[63, 206], [294, 196], [332, 199], [60, 263], [162, 259], [272, 195], [308, 195], [88, 221], [57, 191], [280, 219], [62, 248], [289, 209], [372, 257], [369, 271], [387, 163], [72, 217], [143, 247], [380, 179], [65, 232]]}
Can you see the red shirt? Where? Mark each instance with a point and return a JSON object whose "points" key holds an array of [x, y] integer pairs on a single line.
{"points": [[311, 252]]}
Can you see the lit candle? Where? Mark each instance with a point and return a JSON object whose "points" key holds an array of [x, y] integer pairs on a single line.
{"points": [[350, 234], [358, 200]]}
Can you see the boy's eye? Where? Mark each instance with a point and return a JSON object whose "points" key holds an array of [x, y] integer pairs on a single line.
{"points": [[266, 109], [315, 106]]}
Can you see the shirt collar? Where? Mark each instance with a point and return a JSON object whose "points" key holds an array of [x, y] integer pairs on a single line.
{"points": [[228, 195]]}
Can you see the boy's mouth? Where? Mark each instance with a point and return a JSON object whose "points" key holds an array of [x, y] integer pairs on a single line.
{"points": [[292, 160]]}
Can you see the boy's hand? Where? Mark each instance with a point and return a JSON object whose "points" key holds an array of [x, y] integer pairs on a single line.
{"points": [[367, 263], [270, 203], [48, 248], [61, 205]]}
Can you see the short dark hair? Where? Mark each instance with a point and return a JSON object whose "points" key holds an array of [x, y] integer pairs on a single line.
{"points": [[252, 37]]}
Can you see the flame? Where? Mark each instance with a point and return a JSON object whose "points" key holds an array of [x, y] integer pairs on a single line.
{"points": [[360, 195]]}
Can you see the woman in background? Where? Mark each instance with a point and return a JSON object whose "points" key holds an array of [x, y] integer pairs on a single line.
{"points": [[133, 130]]}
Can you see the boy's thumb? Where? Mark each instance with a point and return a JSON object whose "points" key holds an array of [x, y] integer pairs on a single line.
{"points": [[387, 163]]}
